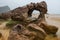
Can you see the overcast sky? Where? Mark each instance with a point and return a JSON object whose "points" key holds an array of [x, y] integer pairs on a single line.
{"points": [[53, 5]]}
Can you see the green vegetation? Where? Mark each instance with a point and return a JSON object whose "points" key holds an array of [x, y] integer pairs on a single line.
{"points": [[11, 23]]}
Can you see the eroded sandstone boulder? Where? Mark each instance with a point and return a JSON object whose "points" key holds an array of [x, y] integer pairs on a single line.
{"points": [[34, 29], [49, 29], [19, 32], [24, 12]]}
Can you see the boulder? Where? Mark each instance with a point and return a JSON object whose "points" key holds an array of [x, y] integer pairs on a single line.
{"points": [[49, 29], [19, 32], [22, 13]]}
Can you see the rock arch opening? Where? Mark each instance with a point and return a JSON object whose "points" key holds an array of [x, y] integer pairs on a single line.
{"points": [[35, 14], [26, 12]]}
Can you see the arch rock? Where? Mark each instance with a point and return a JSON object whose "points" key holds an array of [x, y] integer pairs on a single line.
{"points": [[24, 12]]}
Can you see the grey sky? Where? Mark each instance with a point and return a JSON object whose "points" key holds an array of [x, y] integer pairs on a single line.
{"points": [[53, 5]]}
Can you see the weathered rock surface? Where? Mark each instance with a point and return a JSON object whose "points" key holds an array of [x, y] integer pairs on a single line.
{"points": [[34, 29], [31, 32], [5, 16], [24, 12], [49, 29], [20, 32]]}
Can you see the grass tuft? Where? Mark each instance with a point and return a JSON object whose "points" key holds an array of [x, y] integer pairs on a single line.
{"points": [[11, 23]]}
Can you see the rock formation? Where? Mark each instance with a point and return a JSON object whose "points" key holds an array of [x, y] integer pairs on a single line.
{"points": [[24, 12], [20, 32], [32, 29]]}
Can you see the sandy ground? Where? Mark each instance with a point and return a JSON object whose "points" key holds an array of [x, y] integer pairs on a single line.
{"points": [[54, 19], [4, 31], [50, 19]]}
